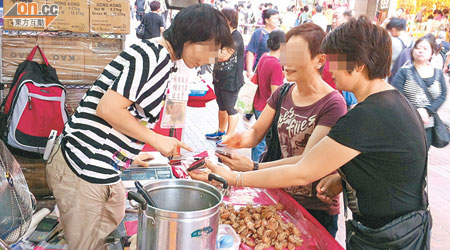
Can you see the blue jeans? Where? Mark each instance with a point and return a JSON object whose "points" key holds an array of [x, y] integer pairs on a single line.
{"points": [[258, 149]]}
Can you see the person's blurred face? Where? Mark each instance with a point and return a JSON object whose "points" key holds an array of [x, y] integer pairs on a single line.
{"points": [[422, 52], [200, 53], [297, 61], [343, 71], [338, 19], [273, 22]]}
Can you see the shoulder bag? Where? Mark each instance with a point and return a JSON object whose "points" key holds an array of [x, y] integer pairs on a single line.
{"points": [[140, 30], [273, 149]]}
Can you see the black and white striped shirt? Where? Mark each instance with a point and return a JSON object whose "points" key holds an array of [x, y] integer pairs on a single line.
{"points": [[406, 80], [92, 148]]}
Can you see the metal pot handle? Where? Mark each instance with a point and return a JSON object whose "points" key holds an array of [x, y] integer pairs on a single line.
{"points": [[138, 198], [150, 218], [218, 178]]}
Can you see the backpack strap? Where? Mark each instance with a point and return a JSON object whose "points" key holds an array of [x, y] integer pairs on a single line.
{"points": [[403, 44], [283, 92]]}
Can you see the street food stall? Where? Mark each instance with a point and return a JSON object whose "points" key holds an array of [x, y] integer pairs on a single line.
{"points": [[199, 214]]}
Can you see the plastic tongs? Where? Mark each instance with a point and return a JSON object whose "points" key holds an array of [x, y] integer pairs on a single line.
{"points": [[144, 194]]}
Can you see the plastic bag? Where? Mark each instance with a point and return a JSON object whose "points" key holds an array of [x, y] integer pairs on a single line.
{"points": [[244, 103]]}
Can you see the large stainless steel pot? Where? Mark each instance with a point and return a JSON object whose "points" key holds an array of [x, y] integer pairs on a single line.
{"points": [[186, 216]]}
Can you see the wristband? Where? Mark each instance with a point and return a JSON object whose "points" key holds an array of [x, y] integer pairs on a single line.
{"points": [[255, 165]]}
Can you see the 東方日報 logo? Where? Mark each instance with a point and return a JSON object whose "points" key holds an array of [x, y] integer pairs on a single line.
{"points": [[30, 14]]}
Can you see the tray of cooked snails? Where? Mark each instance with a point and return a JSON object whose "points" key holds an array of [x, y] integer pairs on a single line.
{"points": [[262, 226], [271, 219]]}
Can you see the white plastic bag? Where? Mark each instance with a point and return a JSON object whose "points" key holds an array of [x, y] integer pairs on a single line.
{"points": [[244, 103]]}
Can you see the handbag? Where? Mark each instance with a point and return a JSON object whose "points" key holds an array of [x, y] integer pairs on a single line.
{"points": [[410, 231], [441, 133], [140, 30], [273, 149]]}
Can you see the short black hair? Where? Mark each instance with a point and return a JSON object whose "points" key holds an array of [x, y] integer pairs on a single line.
{"points": [[306, 8], [155, 5], [330, 6], [267, 13], [397, 23], [276, 38], [363, 43], [232, 16], [198, 23], [318, 9]]}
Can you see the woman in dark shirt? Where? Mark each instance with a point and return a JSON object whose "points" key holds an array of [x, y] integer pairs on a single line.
{"points": [[422, 84], [378, 148], [228, 79]]}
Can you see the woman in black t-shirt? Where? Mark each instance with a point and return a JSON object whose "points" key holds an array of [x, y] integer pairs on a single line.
{"points": [[228, 79], [378, 148]]}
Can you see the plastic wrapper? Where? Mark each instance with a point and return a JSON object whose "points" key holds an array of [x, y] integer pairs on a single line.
{"points": [[77, 60], [177, 96]]}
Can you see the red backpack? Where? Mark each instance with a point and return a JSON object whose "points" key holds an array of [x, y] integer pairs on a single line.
{"points": [[34, 106]]}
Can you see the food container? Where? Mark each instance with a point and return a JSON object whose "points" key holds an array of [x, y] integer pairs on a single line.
{"points": [[185, 215]]}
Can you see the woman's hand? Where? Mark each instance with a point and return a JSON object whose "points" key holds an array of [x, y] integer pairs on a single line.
{"points": [[168, 146], [237, 162], [329, 187], [222, 171], [143, 159], [235, 140]]}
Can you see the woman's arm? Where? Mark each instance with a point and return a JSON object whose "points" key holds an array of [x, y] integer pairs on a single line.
{"points": [[324, 158], [255, 134], [399, 80], [318, 134], [113, 108]]}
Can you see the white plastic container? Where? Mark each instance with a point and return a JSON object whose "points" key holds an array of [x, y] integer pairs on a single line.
{"points": [[225, 229]]}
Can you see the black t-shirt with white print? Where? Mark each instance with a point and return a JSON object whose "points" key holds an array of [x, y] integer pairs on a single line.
{"points": [[92, 148], [389, 173]]}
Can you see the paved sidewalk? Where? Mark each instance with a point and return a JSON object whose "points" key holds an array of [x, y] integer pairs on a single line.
{"points": [[200, 121]]}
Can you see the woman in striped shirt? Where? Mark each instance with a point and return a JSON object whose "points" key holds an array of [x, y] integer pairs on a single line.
{"points": [[422, 84], [114, 120]]}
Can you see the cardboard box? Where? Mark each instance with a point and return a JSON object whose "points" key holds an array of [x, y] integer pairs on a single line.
{"points": [[98, 54], [15, 50], [109, 16], [73, 16], [28, 18], [66, 55], [76, 60]]}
